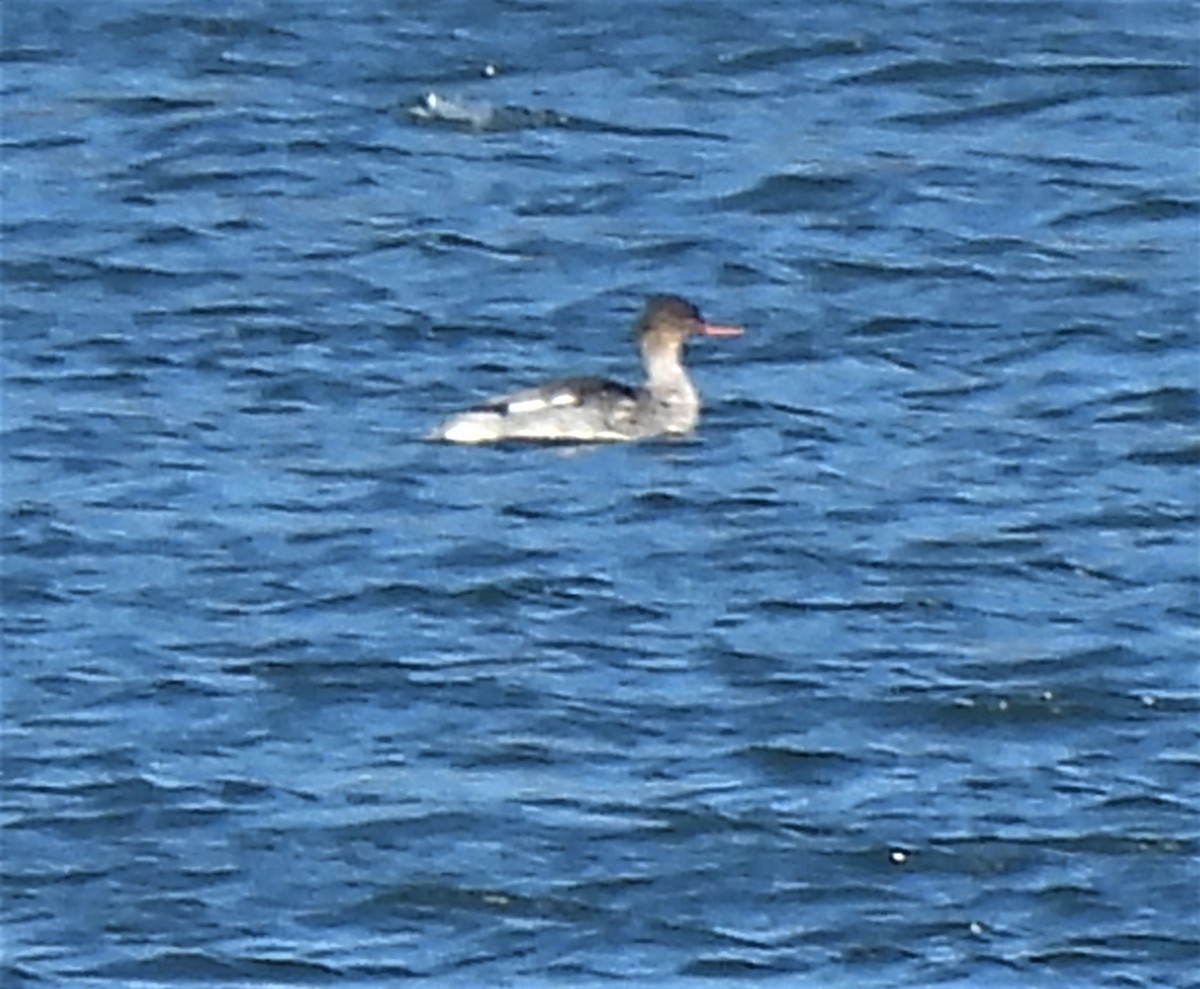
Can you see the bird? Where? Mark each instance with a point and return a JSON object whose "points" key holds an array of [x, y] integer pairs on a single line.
{"points": [[596, 410]]}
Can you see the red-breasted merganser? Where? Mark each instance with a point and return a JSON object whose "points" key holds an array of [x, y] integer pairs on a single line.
{"points": [[593, 410]]}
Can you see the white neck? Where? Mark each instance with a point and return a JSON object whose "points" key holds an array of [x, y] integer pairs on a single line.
{"points": [[666, 378]]}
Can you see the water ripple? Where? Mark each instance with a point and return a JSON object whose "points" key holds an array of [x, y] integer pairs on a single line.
{"points": [[884, 678]]}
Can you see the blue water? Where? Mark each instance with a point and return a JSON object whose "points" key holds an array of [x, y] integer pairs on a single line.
{"points": [[886, 678]]}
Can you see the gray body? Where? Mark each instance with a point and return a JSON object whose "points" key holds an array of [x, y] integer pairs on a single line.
{"points": [[590, 410]]}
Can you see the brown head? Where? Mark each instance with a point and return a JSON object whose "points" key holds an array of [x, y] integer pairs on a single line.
{"points": [[668, 320]]}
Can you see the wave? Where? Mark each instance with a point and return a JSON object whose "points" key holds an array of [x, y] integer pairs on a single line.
{"points": [[480, 115]]}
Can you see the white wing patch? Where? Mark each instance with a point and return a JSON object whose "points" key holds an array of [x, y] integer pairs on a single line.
{"points": [[539, 402]]}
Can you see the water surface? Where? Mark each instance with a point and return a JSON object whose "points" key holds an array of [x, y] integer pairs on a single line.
{"points": [[887, 677]]}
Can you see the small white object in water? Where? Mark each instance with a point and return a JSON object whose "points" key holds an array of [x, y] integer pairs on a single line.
{"points": [[432, 106]]}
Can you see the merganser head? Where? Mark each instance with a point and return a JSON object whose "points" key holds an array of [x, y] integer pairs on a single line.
{"points": [[669, 319]]}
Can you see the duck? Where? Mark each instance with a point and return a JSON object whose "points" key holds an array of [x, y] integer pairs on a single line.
{"points": [[596, 410]]}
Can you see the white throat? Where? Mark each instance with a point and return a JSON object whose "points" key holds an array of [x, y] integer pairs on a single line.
{"points": [[668, 384]]}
